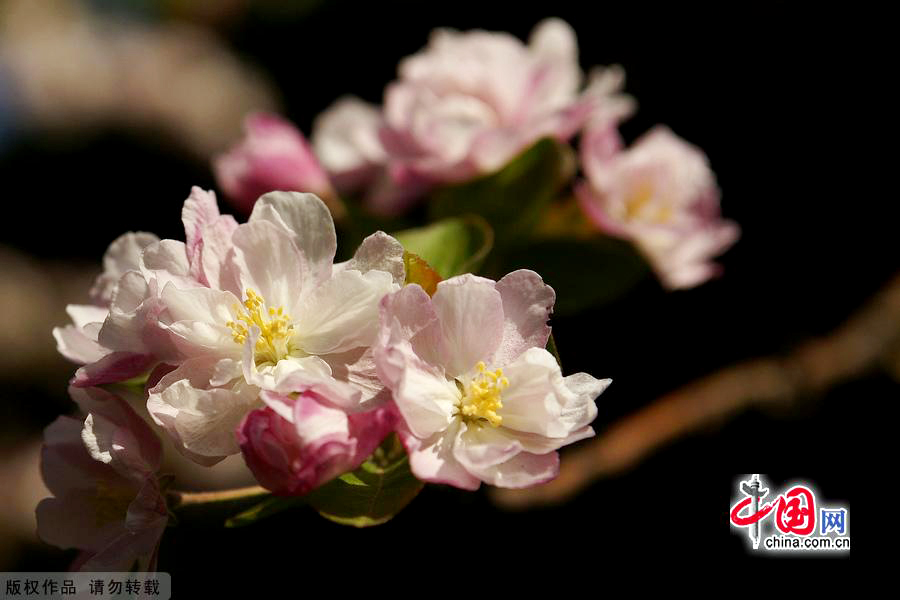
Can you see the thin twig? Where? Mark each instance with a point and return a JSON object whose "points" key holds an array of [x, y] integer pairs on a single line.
{"points": [[178, 499], [868, 340]]}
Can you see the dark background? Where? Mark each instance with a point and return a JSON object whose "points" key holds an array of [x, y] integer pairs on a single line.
{"points": [[757, 90]]}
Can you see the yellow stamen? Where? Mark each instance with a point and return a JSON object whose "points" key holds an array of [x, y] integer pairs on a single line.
{"points": [[274, 325], [639, 206], [482, 398]]}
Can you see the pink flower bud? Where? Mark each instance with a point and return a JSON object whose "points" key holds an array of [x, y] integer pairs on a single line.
{"points": [[273, 156], [296, 444]]}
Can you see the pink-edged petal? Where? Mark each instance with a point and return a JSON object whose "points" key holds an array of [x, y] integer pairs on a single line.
{"points": [[129, 316], [123, 255], [527, 304], [114, 434], [599, 144], [199, 210], [408, 315], [424, 397], [167, 260], [342, 313], [201, 419], [431, 459], [76, 346], [689, 263], [216, 248], [102, 508], [470, 311], [273, 155], [479, 447], [306, 218], [198, 318], [357, 367], [113, 368], [408, 311], [522, 470]]}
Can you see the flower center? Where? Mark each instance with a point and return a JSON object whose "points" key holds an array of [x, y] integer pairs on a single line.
{"points": [[638, 206], [274, 325], [481, 399]]}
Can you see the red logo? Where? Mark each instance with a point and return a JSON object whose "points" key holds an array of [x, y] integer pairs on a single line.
{"points": [[795, 511]]}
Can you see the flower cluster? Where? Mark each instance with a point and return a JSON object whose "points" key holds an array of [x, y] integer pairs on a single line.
{"points": [[248, 338], [253, 340], [465, 106]]}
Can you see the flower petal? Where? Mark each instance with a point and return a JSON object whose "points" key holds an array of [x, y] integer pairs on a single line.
{"points": [[76, 345], [479, 447], [424, 397], [539, 399], [342, 313], [197, 318], [270, 264], [123, 255], [470, 310], [114, 434], [308, 221], [357, 367], [527, 304], [345, 139], [113, 368], [201, 420], [522, 470], [432, 459], [378, 251]]}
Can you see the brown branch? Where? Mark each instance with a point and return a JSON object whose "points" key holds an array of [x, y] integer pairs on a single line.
{"points": [[867, 340], [178, 499]]}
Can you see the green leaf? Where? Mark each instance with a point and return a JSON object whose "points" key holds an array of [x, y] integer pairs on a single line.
{"points": [[512, 199], [552, 349], [266, 508], [370, 495], [584, 273], [451, 246]]}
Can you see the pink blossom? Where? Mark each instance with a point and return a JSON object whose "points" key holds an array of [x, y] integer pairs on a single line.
{"points": [[273, 156], [466, 105], [102, 473], [480, 398], [298, 442], [78, 341], [345, 139], [661, 194], [261, 301], [236, 309]]}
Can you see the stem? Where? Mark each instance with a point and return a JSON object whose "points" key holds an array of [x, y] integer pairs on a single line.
{"points": [[178, 499]]}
